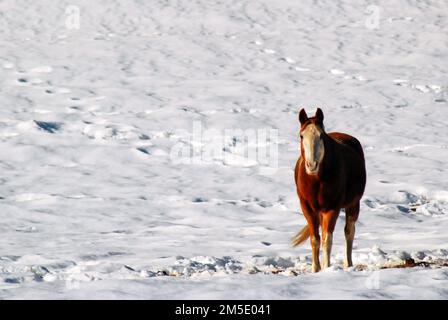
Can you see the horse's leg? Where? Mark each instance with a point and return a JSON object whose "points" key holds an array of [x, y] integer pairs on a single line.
{"points": [[313, 224], [351, 215], [329, 219], [315, 244]]}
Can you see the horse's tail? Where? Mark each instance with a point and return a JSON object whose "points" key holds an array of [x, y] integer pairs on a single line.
{"points": [[301, 236]]}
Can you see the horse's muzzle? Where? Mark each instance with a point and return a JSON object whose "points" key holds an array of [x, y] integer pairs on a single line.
{"points": [[312, 167]]}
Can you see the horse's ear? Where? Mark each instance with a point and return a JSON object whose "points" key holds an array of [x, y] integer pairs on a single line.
{"points": [[303, 117], [319, 115]]}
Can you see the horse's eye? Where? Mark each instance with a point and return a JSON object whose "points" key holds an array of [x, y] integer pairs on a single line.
{"points": [[301, 137]]}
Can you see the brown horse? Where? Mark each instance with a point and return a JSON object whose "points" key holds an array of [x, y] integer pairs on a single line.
{"points": [[330, 175]]}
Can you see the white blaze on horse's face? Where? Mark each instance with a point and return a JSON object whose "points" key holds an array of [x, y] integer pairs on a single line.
{"points": [[313, 146]]}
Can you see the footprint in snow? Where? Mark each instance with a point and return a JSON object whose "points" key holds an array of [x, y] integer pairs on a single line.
{"points": [[143, 150], [8, 65], [337, 72], [269, 51], [42, 69], [50, 127], [300, 69], [289, 60]]}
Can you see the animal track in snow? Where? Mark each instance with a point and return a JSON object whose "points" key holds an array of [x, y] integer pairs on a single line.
{"points": [[143, 150], [420, 204], [424, 88], [289, 60], [8, 65], [112, 132], [414, 204], [42, 69], [50, 127], [419, 145], [337, 72], [301, 69], [22, 80], [286, 59], [341, 73], [269, 51], [244, 110]]}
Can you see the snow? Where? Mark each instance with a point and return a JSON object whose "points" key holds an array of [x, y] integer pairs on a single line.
{"points": [[96, 204]]}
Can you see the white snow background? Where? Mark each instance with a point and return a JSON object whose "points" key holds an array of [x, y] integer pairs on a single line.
{"points": [[93, 206]]}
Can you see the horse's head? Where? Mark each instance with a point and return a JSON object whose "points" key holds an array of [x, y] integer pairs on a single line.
{"points": [[312, 135]]}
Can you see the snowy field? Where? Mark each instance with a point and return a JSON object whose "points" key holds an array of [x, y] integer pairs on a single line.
{"points": [[97, 97]]}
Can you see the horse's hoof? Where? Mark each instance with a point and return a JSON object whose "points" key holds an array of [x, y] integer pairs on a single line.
{"points": [[315, 268]]}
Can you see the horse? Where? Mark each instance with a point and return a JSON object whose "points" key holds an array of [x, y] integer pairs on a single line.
{"points": [[330, 175]]}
